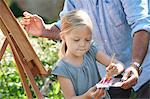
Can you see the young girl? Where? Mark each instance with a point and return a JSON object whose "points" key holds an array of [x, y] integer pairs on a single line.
{"points": [[76, 70]]}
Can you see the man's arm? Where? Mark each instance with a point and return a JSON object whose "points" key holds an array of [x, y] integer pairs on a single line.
{"points": [[52, 32], [138, 18], [140, 46], [139, 49]]}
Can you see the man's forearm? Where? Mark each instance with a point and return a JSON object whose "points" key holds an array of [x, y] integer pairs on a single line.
{"points": [[51, 32], [140, 46]]}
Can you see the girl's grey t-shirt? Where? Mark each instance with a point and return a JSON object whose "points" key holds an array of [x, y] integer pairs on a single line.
{"points": [[83, 77]]}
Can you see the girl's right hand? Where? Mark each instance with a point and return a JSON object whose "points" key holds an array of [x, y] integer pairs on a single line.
{"points": [[111, 70], [114, 69], [33, 24], [95, 93]]}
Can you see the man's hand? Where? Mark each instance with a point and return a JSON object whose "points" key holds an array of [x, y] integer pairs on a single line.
{"points": [[33, 24], [130, 77]]}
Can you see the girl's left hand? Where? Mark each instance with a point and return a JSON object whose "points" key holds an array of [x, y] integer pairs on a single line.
{"points": [[95, 93]]}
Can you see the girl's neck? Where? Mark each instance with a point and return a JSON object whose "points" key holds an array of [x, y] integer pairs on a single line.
{"points": [[75, 60]]}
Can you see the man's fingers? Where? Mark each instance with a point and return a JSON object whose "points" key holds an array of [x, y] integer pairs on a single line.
{"points": [[135, 72], [126, 75], [27, 14], [25, 21], [129, 82], [30, 17]]}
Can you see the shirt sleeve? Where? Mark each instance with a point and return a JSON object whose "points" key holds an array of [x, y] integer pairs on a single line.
{"points": [[58, 24], [93, 49], [137, 14], [68, 6], [60, 70]]}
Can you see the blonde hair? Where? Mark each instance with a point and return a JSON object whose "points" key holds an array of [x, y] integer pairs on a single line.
{"points": [[71, 21]]}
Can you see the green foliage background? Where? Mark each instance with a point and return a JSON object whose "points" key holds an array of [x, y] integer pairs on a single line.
{"points": [[10, 84]]}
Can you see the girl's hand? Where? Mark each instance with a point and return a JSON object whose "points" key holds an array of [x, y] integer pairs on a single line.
{"points": [[33, 24], [114, 69], [95, 93], [111, 70]]}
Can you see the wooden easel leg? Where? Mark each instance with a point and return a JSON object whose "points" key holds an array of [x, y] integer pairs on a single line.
{"points": [[32, 82], [22, 76], [2, 50], [22, 65], [25, 66]]}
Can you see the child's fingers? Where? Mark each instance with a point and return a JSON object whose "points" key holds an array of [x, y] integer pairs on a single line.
{"points": [[93, 89], [111, 69], [97, 93], [114, 69], [100, 93], [111, 66]]}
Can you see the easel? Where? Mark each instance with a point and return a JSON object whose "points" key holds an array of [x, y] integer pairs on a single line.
{"points": [[26, 59]]}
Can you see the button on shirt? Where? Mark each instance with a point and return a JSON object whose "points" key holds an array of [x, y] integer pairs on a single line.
{"points": [[115, 22]]}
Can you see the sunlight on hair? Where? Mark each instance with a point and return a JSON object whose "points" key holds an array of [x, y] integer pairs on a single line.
{"points": [[75, 19]]}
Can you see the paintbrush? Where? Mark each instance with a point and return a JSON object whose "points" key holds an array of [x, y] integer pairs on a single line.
{"points": [[111, 62]]}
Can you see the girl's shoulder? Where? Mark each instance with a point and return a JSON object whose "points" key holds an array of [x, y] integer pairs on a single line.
{"points": [[60, 69], [61, 64]]}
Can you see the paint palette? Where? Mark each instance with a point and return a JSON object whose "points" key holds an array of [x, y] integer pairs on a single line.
{"points": [[111, 82]]}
